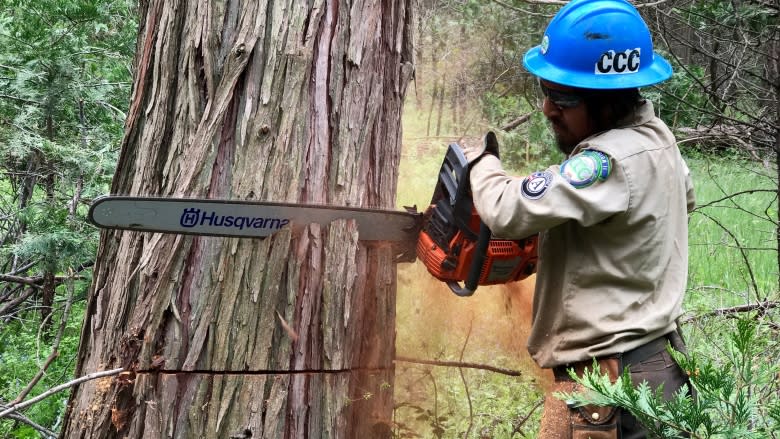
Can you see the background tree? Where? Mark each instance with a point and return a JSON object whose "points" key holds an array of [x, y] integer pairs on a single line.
{"points": [[280, 101], [64, 80]]}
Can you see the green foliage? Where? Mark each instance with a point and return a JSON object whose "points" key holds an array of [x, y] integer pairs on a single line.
{"points": [[682, 99], [438, 424], [736, 388], [22, 352], [65, 76], [530, 146]]}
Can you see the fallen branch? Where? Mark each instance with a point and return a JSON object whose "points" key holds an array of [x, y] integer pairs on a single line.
{"points": [[34, 281], [10, 305], [30, 281], [761, 306], [534, 2], [54, 354], [45, 432], [517, 122], [95, 375], [514, 373]]}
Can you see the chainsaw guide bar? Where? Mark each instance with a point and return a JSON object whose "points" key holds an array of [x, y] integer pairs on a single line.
{"points": [[450, 238], [244, 219]]}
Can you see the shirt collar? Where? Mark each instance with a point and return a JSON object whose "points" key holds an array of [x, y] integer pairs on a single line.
{"points": [[643, 114]]}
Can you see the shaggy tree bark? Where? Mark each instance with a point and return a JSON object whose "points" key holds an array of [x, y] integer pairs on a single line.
{"points": [[296, 101]]}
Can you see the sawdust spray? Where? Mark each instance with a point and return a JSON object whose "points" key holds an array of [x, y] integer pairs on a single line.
{"points": [[433, 324]]}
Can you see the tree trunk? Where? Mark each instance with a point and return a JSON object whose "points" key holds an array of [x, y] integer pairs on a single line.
{"points": [[291, 336], [432, 108], [440, 103], [774, 75]]}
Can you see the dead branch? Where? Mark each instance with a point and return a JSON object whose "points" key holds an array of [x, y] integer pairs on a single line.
{"points": [[726, 135], [761, 306], [10, 305], [526, 12], [92, 376], [517, 122], [24, 267], [34, 281], [30, 281], [54, 354], [742, 250], [45, 432], [518, 426], [735, 195], [514, 373], [465, 383]]}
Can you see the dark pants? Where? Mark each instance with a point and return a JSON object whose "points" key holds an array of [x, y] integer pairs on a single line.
{"points": [[657, 369], [650, 363]]}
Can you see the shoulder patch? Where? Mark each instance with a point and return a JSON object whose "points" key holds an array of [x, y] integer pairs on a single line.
{"points": [[586, 168], [535, 185]]}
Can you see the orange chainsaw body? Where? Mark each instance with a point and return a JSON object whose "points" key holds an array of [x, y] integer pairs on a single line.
{"points": [[448, 244], [507, 260]]}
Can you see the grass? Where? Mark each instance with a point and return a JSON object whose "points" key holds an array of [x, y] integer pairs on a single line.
{"points": [[732, 240]]}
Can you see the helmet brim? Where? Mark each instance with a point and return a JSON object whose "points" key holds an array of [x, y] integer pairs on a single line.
{"points": [[658, 71]]}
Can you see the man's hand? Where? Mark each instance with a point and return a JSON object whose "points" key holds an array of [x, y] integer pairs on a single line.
{"points": [[489, 146]]}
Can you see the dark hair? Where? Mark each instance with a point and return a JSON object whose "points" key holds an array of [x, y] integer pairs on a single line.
{"points": [[608, 107]]}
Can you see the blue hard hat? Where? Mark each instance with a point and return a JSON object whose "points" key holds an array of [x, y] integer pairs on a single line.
{"points": [[597, 44]]}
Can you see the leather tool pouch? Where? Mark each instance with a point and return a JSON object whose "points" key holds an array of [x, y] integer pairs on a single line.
{"points": [[592, 421]]}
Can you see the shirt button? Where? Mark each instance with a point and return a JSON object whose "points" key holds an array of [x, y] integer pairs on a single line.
{"points": [[595, 416]]}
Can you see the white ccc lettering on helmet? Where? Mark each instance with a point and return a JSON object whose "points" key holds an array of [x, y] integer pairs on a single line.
{"points": [[616, 63]]}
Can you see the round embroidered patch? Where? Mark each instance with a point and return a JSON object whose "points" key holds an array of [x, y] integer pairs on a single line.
{"points": [[536, 184], [586, 168]]}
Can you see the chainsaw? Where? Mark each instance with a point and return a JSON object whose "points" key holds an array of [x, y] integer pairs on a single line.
{"points": [[449, 237]]}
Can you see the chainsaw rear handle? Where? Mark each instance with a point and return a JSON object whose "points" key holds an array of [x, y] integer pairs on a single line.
{"points": [[475, 271]]}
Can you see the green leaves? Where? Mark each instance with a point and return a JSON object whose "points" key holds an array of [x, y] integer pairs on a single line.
{"points": [[736, 394], [64, 89]]}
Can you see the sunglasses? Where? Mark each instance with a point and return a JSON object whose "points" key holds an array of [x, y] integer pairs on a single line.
{"points": [[559, 98]]}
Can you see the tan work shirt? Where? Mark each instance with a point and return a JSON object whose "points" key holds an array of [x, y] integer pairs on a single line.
{"points": [[613, 242]]}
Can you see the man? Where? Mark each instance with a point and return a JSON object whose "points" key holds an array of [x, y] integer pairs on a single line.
{"points": [[612, 217]]}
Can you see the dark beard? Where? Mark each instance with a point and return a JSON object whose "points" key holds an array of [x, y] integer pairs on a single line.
{"points": [[564, 146]]}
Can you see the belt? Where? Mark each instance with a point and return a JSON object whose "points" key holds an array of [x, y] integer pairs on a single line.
{"points": [[641, 353], [633, 356]]}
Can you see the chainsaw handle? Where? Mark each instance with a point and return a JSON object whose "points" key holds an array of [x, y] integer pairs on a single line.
{"points": [[475, 271]]}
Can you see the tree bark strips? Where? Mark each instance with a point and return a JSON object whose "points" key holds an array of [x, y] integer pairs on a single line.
{"points": [[282, 101]]}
